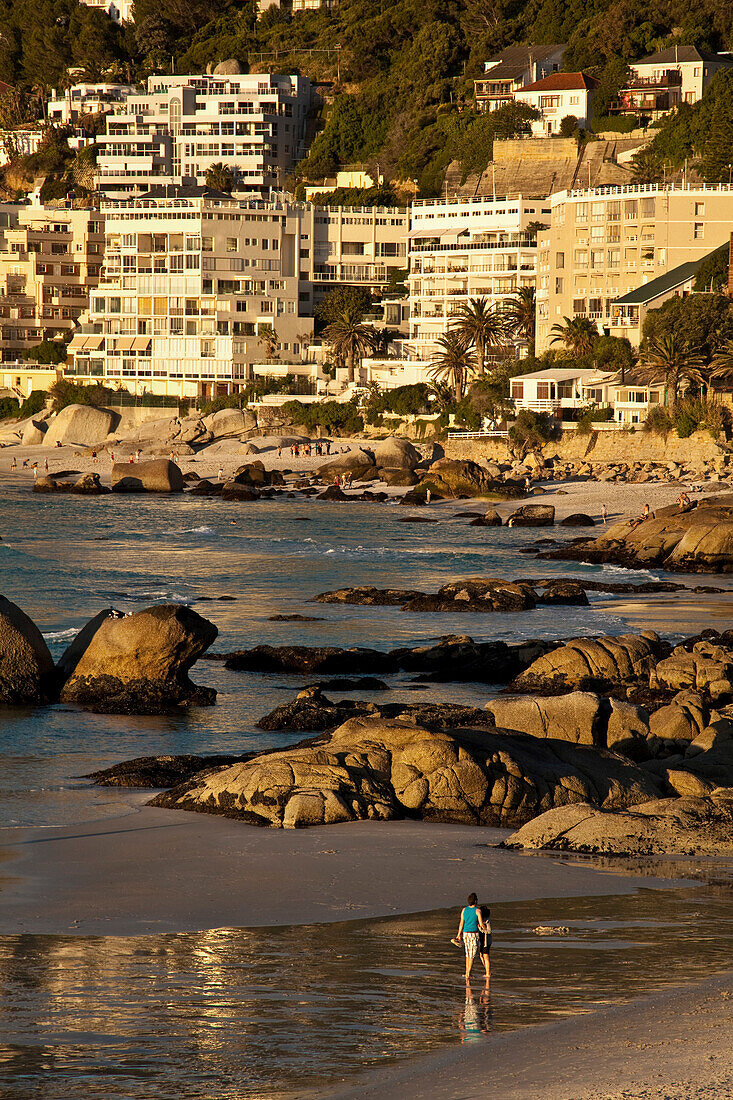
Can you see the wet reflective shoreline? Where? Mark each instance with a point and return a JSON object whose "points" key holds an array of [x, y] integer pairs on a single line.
{"points": [[238, 1014]]}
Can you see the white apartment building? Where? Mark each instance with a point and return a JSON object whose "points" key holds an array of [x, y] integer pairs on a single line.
{"points": [[120, 11], [358, 246], [606, 242], [467, 248], [556, 97], [252, 124], [50, 258], [194, 282], [69, 105]]}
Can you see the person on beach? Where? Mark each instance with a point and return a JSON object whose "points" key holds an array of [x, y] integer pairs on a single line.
{"points": [[470, 927], [35, 472], [485, 941], [646, 511], [220, 475], [13, 465], [604, 514], [45, 464]]}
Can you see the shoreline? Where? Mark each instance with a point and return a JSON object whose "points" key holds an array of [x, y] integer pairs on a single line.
{"points": [[172, 871], [672, 1045]]}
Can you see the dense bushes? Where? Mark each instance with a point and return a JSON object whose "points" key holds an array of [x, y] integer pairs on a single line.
{"points": [[692, 414], [63, 393], [34, 403], [329, 416], [402, 401], [9, 406]]}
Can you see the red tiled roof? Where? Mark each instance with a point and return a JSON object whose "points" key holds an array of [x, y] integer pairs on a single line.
{"points": [[560, 82]]}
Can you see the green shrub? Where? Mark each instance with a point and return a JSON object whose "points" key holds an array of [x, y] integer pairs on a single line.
{"points": [[9, 406], [693, 414], [618, 124], [34, 403], [65, 393], [329, 415], [48, 352], [658, 421]]}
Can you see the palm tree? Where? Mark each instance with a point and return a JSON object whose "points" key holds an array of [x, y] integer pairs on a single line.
{"points": [[669, 359], [454, 361], [269, 340], [219, 178], [578, 334], [478, 323], [520, 314], [722, 364], [350, 339]]}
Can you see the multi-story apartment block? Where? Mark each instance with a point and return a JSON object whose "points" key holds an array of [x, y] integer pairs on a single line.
{"points": [[358, 246], [49, 260], [467, 248], [661, 82], [195, 283], [558, 96], [120, 11], [605, 242], [69, 105], [513, 68], [252, 124]]}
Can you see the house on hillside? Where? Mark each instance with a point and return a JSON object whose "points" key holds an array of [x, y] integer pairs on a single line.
{"points": [[630, 310], [659, 83], [560, 391], [512, 69], [557, 96]]}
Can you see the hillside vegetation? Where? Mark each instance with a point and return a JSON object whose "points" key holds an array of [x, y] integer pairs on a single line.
{"points": [[406, 66]]}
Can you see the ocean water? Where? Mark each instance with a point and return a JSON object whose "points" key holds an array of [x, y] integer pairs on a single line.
{"points": [[63, 559], [233, 1014]]}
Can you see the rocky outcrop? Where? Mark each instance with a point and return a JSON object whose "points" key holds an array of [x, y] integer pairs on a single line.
{"points": [[399, 476], [34, 433], [230, 423], [358, 462], [532, 515], [157, 476], [451, 478], [578, 519], [684, 826], [157, 772], [368, 595], [312, 710], [385, 769], [707, 668], [476, 594], [454, 658], [695, 540], [82, 425], [595, 663], [26, 666], [139, 663], [395, 453]]}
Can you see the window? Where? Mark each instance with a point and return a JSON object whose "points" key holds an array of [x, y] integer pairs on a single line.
{"points": [[579, 306], [699, 230], [559, 260], [699, 209], [232, 244], [543, 391], [517, 390], [558, 286]]}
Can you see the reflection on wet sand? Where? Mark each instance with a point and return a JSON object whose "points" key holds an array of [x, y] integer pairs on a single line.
{"points": [[199, 1015]]}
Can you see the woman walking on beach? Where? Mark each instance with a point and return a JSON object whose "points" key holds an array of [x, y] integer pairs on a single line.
{"points": [[485, 940], [469, 929]]}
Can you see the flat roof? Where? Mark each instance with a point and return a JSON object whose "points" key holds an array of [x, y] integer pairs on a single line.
{"points": [[561, 374]]}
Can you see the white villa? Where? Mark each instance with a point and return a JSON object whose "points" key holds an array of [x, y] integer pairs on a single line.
{"points": [[565, 392]]}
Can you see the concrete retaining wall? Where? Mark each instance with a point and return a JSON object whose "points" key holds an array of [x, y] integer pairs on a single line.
{"points": [[609, 447]]}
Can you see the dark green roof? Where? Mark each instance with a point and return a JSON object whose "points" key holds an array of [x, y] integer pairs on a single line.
{"points": [[664, 283]]}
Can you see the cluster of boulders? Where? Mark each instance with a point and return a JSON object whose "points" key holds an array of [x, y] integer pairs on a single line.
{"points": [[117, 664], [549, 467], [476, 594], [688, 538]]}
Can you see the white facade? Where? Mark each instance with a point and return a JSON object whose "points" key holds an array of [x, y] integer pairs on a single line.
{"points": [[556, 97], [565, 392], [693, 68], [467, 248], [358, 246], [254, 125], [120, 11], [193, 281], [66, 107]]}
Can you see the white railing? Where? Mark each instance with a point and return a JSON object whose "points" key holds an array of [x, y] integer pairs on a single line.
{"points": [[479, 435]]}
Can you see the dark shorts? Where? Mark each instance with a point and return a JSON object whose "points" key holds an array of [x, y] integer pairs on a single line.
{"points": [[485, 943]]}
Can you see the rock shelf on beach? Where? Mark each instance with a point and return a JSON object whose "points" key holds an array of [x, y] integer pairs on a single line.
{"points": [[695, 539]]}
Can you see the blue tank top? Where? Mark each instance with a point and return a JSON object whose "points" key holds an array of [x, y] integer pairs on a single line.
{"points": [[470, 919]]}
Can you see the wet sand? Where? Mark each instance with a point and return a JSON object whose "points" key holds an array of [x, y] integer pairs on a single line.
{"points": [[166, 870], [674, 1045]]}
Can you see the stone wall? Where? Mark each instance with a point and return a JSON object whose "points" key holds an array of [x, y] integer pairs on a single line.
{"points": [[608, 446]]}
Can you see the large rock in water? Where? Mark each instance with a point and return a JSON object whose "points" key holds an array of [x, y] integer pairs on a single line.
{"points": [[82, 425], [139, 663], [698, 540], [26, 666], [596, 662], [532, 515], [682, 826], [358, 462], [384, 769], [157, 476]]}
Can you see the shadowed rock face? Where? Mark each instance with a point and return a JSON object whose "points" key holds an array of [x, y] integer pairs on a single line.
{"points": [[698, 540], [386, 769], [26, 666], [453, 478], [137, 664], [312, 711], [156, 772], [685, 826], [160, 475]]}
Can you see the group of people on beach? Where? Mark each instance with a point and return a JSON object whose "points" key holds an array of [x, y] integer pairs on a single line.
{"points": [[474, 935]]}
